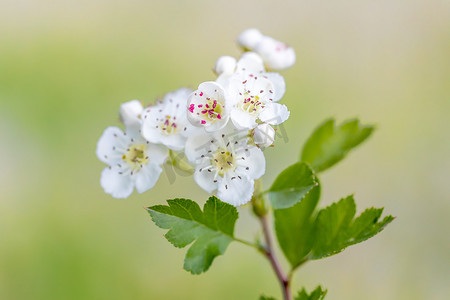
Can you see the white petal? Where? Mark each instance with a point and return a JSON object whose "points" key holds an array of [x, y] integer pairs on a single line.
{"points": [[236, 191], [279, 85], [130, 113], [263, 135], [147, 177], [224, 80], [174, 141], [198, 145], [242, 119], [149, 130], [179, 96], [205, 179], [225, 65], [249, 38], [250, 62], [217, 125], [133, 133], [115, 184], [109, 144], [189, 129], [212, 89], [274, 114], [255, 86], [157, 154], [254, 163], [276, 55]]}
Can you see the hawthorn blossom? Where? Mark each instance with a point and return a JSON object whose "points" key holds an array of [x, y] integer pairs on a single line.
{"points": [[166, 122], [263, 135], [132, 161], [275, 54], [254, 100], [224, 161], [249, 63], [209, 106]]}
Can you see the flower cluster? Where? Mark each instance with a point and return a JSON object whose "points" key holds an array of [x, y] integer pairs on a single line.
{"points": [[221, 127]]}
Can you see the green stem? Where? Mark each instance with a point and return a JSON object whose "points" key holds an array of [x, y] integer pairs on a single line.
{"points": [[247, 243]]}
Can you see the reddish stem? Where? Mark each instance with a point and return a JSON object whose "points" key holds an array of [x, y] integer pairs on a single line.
{"points": [[282, 277]]}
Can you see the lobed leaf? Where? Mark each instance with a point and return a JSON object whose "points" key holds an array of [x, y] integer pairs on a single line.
{"points": [[292, 185], [294, 227], [210, 231], [317, 294], [330, 143], [266, 298], [335, 228]]}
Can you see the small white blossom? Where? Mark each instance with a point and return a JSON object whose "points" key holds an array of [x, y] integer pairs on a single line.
{"points": [[130, 113], [209, 106], [224, 161], [263, 135], [132, 161], [166, 122], [252, 63], [275, 54], [254, 99]]}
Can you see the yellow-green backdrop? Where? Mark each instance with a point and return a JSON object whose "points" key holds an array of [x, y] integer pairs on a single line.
{"points": [[65, 66]]}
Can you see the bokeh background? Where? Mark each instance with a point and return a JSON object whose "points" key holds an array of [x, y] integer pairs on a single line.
{"points": [[65, 66]]}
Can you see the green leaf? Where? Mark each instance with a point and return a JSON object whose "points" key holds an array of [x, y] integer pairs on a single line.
{"points": [[266, 298], [212, 229], [294, 228], [336, 229], [292, 185], [317, 294], [329, 143]]}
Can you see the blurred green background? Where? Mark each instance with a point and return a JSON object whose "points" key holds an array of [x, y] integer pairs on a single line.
{"points": [[65, 66]]}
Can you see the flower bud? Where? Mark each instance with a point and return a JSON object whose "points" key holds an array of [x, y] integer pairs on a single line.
{"points": [[130, 113], [225, 65], [276, 55], [249, 38], [263, 135]]}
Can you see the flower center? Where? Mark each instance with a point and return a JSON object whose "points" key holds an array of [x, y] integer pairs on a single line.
{"points": [[135, 156], [224, 161], [251, 104], [168, 126], [211, 111]]}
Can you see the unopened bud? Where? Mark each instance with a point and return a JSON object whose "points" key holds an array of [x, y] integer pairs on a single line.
{"points": [[225, 65], [276, 55], [263, 135], [130, 113], [249, 38]]}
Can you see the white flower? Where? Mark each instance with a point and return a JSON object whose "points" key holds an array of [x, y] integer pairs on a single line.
{"points": [[132, 161], [224, 161], [254, 99], [275, 54], [250, 63], [263, 135], [209, 106], [130, 113], [166, 122]]}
